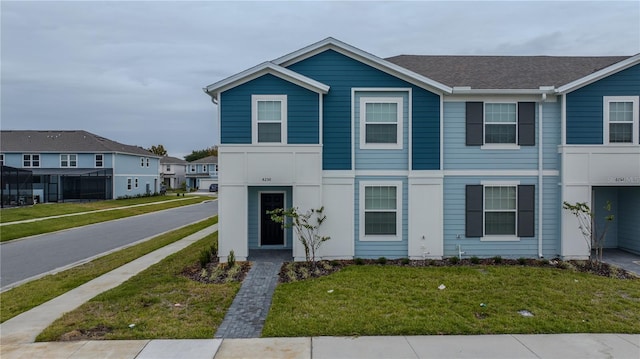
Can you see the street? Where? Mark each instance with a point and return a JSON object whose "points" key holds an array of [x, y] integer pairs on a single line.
{"points": [[26, 258]]}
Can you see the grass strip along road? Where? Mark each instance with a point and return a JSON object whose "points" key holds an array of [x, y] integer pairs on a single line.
{"points": [[87, 213]]}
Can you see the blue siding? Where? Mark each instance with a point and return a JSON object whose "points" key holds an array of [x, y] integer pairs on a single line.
{"points": [[628, 219], [368, 159], [254, 215], [454, 221], [342, 74], [457, 155], [377, 249], [551, 129], [585, 105], [302, 111]]}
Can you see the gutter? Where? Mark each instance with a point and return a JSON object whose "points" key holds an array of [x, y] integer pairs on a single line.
{"points": [[540, 176]]}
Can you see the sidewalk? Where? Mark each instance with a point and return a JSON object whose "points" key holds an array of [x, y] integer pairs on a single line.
{"points": [[566, 346]]}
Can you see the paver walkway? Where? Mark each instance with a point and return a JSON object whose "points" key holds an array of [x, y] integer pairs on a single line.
{"points": [[245, 318]]}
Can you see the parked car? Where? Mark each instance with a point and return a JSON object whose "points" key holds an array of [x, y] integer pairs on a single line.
{"points": [[213, 187]]}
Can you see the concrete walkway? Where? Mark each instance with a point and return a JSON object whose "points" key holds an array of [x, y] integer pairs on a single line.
{"points": [[566, 346]]}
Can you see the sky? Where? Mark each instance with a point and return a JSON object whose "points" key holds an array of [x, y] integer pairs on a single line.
{"points": [[133, 71]]}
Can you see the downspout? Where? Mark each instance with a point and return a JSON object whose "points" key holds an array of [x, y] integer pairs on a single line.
{"points": [[540, 176]]}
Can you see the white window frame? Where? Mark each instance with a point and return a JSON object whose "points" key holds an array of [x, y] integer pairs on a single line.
{"points": [[148, 160], [31, 160], [399, 194], [129, 183], [498, 146], [606, 123], [136, 182], [100, 161], [399, 101], [141, 161], [499, 237], [204, 168], [1, 159], [283, 118], [65, 160]]}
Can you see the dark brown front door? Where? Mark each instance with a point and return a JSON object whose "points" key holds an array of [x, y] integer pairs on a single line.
{"points": [[271, 233]]}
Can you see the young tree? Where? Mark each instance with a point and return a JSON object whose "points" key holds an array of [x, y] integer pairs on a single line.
{"points": [[307, 227], [158, 150], [588, 225]]}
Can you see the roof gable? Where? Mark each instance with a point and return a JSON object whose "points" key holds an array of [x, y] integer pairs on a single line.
{"points": [[265, 68], [364, 57], [598, 75], [63, 141]]}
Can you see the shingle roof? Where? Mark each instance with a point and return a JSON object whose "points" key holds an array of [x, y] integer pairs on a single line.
{"points": [[504, 72], [63, 141], [208, 159], [169, 159]]}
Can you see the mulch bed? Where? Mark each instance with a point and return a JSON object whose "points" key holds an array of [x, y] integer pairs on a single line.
{"points": [[295, 271], [216, 272]]}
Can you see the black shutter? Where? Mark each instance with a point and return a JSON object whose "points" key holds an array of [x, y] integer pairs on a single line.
{"points": [[526, 211], [475, 125], [526, 123], [474, 211]]}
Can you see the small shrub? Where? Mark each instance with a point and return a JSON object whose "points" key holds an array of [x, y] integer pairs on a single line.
{"points": [[474, 260], [382, 260], [359, 261], [454, 260], [404, 261], [334, 263], [205, 257], [522, 261], [497, 259], [231, 259]]}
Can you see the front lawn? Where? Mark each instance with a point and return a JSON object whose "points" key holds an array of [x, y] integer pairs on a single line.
{"points": [[159, 302], [394, 300]]}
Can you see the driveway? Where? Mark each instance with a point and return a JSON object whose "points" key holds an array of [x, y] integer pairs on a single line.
{"points": [[35, 256]]}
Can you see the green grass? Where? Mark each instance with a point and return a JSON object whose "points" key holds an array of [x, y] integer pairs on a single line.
{"points": [[148, 301], [376, 300], [34, 293], [14, 231]]}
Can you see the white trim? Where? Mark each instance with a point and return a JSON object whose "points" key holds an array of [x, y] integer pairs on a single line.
{"points": [[320, 119], [500, 183], [409, 129], [364, 57], [509, 173], [398, 145], [361, 212], [598, 75], [264, 68], [495, 98], [441, 132], [540, 175], [129, 183], [606, 101], [31, 160], [283, 118], [470, 91], [501, 146], [497, 238], [68, 160], [494, 145], [563, 120], [284, 231], [95, 160]]}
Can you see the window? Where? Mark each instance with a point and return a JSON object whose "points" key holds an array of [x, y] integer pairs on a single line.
{"points": [[1, 159], [168, 168], [30, 160], [68, 160], [500, 125], [380, 123], [136, 183], [621, 119], [193, 168], [269, 118], [99, 160], [500, 211], [381, 213], [204, 168], [147, 161], [141, 161], [128, 184]]}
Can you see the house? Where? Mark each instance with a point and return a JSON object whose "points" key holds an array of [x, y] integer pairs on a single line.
{"points": [[173, 171], [428, 156], [202, 173], [79, 165]]}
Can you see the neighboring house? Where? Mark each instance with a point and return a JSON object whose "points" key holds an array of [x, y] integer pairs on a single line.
{"points": [[429, 156], [78, 165], [173, 171], [202, 173]]}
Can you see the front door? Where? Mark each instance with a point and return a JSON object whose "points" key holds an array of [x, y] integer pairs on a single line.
{"points": [[271, 233]]}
